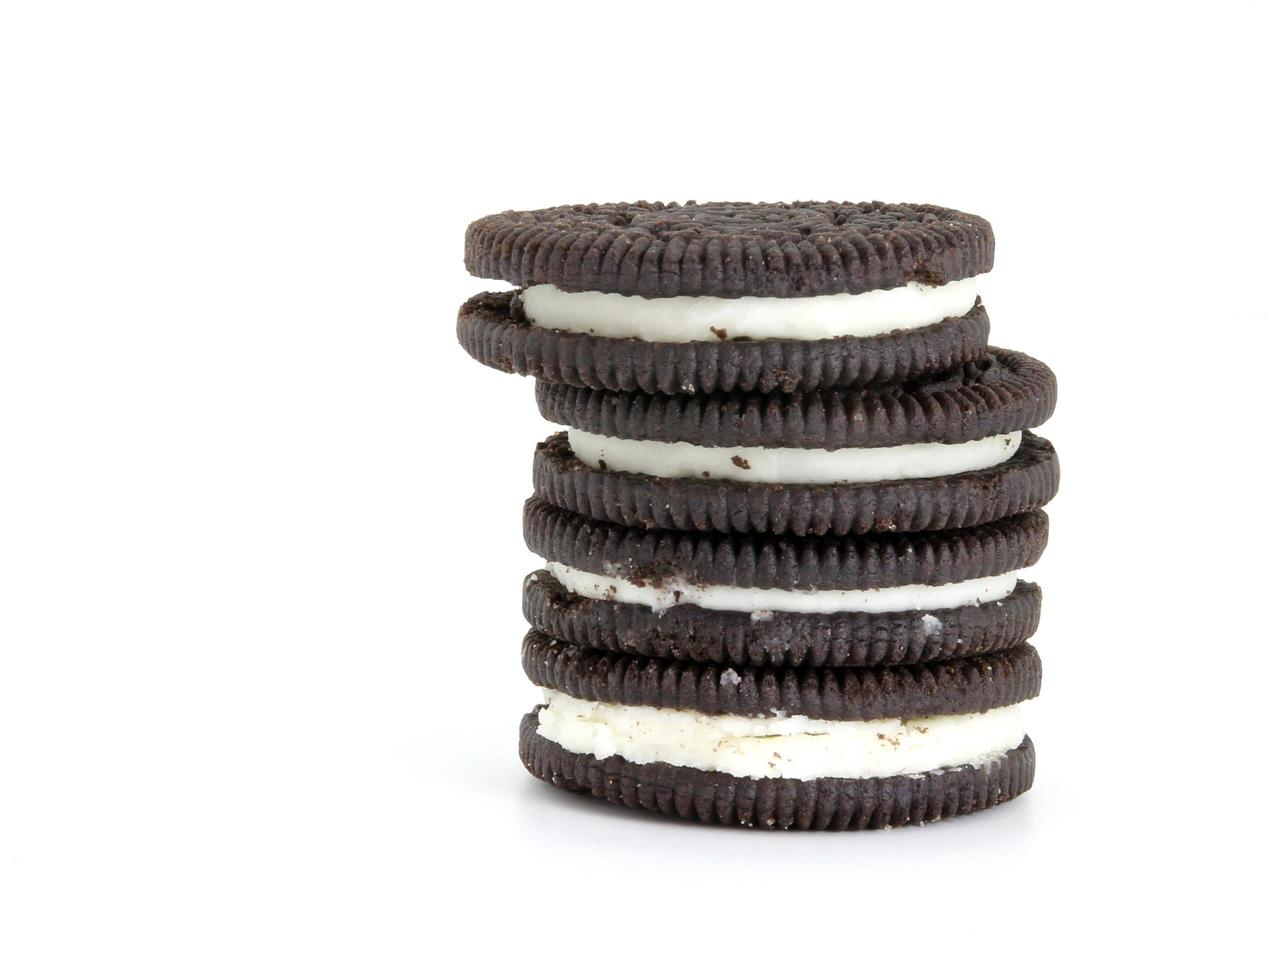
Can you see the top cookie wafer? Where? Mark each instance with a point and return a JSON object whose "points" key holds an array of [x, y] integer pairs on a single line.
{"points": [[730, 249]]}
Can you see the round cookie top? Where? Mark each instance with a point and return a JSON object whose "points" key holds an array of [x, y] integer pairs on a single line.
{"points": [[762, 561], [1002, 392], [656, 250], [974, 684]]}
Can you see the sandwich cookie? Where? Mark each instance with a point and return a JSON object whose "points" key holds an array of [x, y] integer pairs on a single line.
{"points": [[728, 297], [951, 451], [821, 749], [766, 600]]}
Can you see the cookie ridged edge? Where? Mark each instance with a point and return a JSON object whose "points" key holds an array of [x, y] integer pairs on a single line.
{"points": [[951, 687], [491, 333], [729, 249], [781, 639], [780, 804], [868, 561], [1027, 481], [1002, 392]]}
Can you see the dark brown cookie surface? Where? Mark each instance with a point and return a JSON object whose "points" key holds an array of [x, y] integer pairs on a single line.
{"points": [[866, 561], [730, 249], [780, 804], [491, 329], [1025, 482], [1002, 392], [950, 687], [779, 639]]}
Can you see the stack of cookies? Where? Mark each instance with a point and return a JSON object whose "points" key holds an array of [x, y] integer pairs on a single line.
{"points": [[785, 526]]}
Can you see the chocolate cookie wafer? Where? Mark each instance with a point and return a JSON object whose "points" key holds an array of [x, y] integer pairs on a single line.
{"points": [[974, 684], [869, 572], [733, 637], [496, 330], [686, 738], [728, 297]]}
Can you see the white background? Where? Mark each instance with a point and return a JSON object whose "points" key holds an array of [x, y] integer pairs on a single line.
{"points": [[261, 516]]}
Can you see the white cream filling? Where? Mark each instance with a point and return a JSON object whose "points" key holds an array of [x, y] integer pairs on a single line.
{"points": [[685, 318], [794, 747], [755, 464], [731, 598]]}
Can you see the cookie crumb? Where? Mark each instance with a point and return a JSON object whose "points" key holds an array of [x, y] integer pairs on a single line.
{"points": [[741, 463]]}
